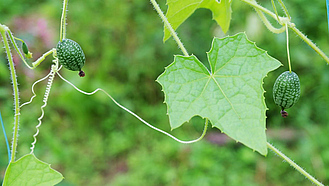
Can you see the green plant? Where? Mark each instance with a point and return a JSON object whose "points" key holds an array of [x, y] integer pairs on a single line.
{"points": [[216, 82]]}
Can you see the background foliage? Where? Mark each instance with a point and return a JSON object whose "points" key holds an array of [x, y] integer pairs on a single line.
{"points": [[93, 142]]}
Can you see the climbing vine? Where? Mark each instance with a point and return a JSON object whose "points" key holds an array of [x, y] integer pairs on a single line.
{"points": [[228, 95]]}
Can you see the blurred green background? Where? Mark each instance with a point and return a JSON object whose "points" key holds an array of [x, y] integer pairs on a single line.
{"points": [[93, 142]]}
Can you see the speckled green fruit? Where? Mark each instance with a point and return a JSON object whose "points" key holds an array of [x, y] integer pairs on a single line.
{"points": [[286, 90], [70, 55]]}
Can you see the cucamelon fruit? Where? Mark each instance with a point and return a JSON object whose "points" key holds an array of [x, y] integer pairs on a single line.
{"points": [[70, 55], [286, 91]]}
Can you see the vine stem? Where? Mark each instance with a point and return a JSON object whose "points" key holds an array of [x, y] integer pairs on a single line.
{"points": [[292, 26], [135, 115], [3, 31], [292, 163], [167, 24], [309, 42], [62, 34]]}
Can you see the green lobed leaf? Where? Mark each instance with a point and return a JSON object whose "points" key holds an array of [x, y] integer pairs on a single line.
{"points": [[230, 95], [179, 10], [29, 170]]}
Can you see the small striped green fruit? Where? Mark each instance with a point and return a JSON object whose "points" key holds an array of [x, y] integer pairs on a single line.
{"points": [[70, 55], [286, 91]]}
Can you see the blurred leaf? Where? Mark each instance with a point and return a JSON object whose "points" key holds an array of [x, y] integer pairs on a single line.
{"points": [[29, 170], [230, 96], [180, 10]]}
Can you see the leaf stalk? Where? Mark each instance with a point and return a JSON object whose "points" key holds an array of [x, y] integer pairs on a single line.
{"points": [[167, 24]]}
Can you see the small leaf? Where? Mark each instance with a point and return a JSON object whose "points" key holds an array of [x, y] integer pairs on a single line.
{"points": [[29, 170], [180, 10], [230, 95]]}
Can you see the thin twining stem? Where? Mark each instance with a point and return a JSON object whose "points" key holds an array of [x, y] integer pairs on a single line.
{"points": [[34, 94], [268, 24], [135, 115], [33, 85]]}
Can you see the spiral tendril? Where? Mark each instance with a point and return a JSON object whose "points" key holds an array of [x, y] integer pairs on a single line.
{"points": [[34, 94], [51, 76]]}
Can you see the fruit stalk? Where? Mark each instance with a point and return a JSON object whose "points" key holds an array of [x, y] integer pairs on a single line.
{"points": [[63, 21], [288, 54]]}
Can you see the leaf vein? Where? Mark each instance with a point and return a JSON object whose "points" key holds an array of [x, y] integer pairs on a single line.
{"points": [[236, 49], [228, 100], [191, 103]]}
